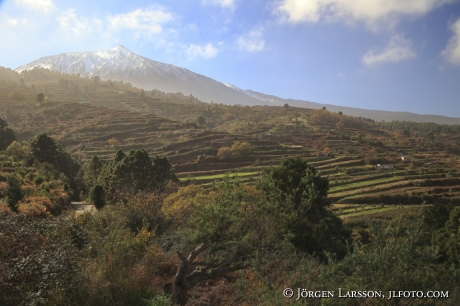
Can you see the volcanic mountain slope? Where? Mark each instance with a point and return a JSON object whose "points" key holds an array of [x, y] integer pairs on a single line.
{"points": [[121, 64]]}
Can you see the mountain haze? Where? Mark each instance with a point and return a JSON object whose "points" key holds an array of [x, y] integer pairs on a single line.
{"points": [[121, 64]]}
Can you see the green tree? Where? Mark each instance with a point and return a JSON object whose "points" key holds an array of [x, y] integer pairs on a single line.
{"points": [[299, 196], [225, 224], [119, 155], [7, 135], [46, 150], [14, 191], [91, 170], [40, 98], [135, 171], [448, 237], [200, 121], [396, 258], [97, 196], [163, 172]]}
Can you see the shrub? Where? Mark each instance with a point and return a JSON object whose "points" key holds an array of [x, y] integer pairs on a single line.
{"points": [[38, 180], [14, 191], [38, 266], [36, 207], [225, 153], [241, 148], [5, 209], [17, 150]]}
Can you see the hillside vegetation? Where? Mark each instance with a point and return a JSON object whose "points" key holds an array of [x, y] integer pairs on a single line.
{"points": [[210, 204]]}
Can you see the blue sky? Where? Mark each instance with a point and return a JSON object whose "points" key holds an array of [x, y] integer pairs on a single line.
{"points": [[375, 54]]}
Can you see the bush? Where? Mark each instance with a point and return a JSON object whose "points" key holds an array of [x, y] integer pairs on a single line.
{"points": [[14, 191], [224, 153], [36, 207], [241, 148], [38, 266], [38, 180], [397, 258]]}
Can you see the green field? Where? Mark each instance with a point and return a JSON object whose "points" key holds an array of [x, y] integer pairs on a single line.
{"points": [[218, 176]]}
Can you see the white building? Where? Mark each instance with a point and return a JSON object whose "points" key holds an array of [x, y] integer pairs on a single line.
{"points": [[384, 166]]}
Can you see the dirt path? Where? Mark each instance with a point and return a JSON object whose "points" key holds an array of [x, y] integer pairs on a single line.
{"points": [[82, 207]]}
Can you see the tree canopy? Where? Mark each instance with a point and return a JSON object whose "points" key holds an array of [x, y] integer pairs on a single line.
{"points": [[136, 171], [46, 149], [91, 171], [298, 194]]}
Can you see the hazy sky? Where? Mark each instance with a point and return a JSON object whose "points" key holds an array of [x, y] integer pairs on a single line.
{"points": [[401, 55]]}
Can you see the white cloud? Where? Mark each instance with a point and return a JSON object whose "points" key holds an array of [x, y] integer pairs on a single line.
{"points": [[252, 42], [69, 22], [42, 5], [11, 21], [148, 21], [371, 12], [398, 49], [206, 51], [452, 51], [223, 3]]}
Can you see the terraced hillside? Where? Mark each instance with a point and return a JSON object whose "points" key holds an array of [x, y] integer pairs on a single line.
{"points": [[91, 117]]}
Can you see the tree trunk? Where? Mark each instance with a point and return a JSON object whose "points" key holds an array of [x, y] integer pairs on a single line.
{"points": [[179, 288], [186, 279]]}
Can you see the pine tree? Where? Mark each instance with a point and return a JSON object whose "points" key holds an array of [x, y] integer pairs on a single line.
{"points": [[97, 196]]}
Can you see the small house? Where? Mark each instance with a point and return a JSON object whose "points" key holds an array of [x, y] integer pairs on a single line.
{"points": [[384, 166]]}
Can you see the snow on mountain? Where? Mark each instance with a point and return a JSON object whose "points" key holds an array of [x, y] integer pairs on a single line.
{"points": [[121, 64], [271, 100], [232, 86], [118, 62]]}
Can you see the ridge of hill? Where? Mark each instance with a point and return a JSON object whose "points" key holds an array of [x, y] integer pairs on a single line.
{"points": [[121, 64]]}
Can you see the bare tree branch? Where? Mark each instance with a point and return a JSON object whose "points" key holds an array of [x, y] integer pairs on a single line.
{"points": [[185, 280]]}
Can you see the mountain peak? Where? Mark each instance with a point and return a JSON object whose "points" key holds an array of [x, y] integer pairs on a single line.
{"points": [[121, 48]]}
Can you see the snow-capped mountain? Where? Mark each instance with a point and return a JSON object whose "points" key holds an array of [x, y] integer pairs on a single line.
{"points": [[121, 64], [118, 62]]}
